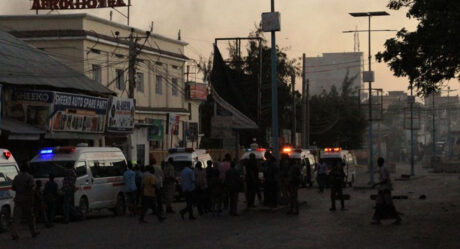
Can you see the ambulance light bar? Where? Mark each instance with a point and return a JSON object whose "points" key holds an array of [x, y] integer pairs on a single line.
{"points": [[336, 149]]}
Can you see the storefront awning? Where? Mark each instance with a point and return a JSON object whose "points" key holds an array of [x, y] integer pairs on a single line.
{"points": [[19, 130]]}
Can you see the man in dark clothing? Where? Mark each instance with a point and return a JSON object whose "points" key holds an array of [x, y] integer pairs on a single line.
{"points": [[50, 194], [39, 211], [233, 185], [271, 180], [284, 168], [252, 173], [337, 176], [293, 187], [23, 185], [68, 187]]}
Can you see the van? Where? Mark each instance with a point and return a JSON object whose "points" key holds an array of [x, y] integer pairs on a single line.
{"points": [[8, 170], [307, 163], [332, 156], [99, 170], [186, 157]]}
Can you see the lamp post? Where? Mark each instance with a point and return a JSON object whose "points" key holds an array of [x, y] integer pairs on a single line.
{"points": [[369, 76]]}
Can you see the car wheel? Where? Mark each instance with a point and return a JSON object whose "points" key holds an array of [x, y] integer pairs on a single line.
{"points": [[84, 208], [120, 208], [5, 218]]}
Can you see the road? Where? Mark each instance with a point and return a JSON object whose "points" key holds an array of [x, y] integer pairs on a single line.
{"points": [[430, 223]]}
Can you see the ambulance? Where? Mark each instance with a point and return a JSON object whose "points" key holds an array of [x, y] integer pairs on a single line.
{"points": [[8, 170], [99, 173], [332, 156], [307, 163], [186, 157]]}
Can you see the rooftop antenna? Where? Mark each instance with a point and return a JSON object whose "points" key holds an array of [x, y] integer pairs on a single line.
{"points": [[356, 40]]}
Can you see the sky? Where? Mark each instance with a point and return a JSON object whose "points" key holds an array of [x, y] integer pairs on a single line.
{"points": [[312, 27]]}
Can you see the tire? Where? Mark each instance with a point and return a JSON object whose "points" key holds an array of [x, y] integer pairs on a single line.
{"points": [[83, 208], [120, 206], [5, 219]]}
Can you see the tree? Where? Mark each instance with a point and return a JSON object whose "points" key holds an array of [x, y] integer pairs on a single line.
{"points": [[430, 55]]}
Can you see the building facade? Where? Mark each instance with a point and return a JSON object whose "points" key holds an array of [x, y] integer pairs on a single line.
{"points": [[165, 115]]}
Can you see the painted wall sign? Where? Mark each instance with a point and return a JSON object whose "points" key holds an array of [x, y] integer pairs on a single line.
{"points": [[76, 4]]}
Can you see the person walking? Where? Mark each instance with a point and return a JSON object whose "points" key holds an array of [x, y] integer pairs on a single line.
{"points": [[159, 181], [271, 181], [188, 188], [201, 187], [233, 185], [251, 177], [384, 207], [129, 178], [293, 187], [321, 174], [23, 185], [50, 194], [337, 176], [169, 184], [68, 188], [149, 194]]}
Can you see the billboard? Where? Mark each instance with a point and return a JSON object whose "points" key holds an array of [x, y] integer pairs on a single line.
{"points": [[78, 113], [32, 107], [155, 131], [76, 4], [197, 91], [120, 117]]}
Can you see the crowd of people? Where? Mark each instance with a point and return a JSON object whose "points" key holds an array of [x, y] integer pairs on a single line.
{"points": [[210, 190]]}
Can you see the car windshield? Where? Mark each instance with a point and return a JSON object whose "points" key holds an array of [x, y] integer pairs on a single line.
{"points": [[57, 168], [332, 161], [7, 174]]}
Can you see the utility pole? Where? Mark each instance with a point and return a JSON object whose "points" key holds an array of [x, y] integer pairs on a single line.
{"points": [[308, 114], [411, 103], [304, 106], [275, 131], [294, 113], [259, 88], [434, 132], [132, 64]]}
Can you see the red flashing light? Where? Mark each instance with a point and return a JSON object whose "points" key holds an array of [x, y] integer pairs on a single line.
{"points": [[287, 150], [7, 154], [327, 149], [261, 149], [66, 149], [337, 149]]}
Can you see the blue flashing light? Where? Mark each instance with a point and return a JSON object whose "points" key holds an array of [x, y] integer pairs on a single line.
{"points": [[46, 151]]}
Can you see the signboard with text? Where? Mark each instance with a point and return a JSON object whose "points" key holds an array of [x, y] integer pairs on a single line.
{"points": [[29, 106], [76, 4], [197, 91], [120, 117], [78, 113]]}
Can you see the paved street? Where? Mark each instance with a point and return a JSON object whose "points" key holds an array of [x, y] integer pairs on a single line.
{"points": [[431, 223]]}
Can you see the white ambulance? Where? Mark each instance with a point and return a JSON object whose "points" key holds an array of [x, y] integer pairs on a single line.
{"points": [[99, 172], [332, 156], [307, 162], [8, 170]]}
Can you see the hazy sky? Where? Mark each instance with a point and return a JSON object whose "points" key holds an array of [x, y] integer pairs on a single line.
{"points": [[307, 26]]}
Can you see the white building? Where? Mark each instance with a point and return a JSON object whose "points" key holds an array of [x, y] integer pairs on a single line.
{"points": [[331, 69]]}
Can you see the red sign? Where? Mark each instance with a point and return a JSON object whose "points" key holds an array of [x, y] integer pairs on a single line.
{"points": [[76, 4], [198, 91]]}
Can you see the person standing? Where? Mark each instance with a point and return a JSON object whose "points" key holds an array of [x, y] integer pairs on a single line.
{"points": [[223, 167], [215, 188], [271, 180], [251, 177], [384, 202], [159, 180], [188, 188], [23, 185], [129, 178], [148, 195], [284, 169], [322, 174], [201, 187], [233, 185], [39, 205], [337, 176], [293, 187], [50, 194], [68, 188], [169, 184]]}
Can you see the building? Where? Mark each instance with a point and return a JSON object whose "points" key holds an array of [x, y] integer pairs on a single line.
{"points": [[165, 115], [331, 69]]}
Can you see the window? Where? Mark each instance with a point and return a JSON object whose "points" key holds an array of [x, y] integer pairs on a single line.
{"points": [[159, 85], [7, 174], [107, 168], [120, 80], [175, 87], [80, 169], [97, 73], [45, 168], [140, 82]]}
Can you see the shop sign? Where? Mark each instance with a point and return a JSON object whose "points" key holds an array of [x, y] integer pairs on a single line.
{"points": [[76, 4], [78, 113], [198, 91], [155, 131], [32, 107], [221, 127], [174, 123], [121, 115]]}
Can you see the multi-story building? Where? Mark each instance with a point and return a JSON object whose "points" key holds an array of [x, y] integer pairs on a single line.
{"points": [[164, 116], [331, 69]]}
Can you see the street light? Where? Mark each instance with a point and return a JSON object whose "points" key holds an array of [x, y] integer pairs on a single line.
{"points": [[369, 76]]}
